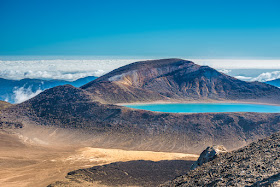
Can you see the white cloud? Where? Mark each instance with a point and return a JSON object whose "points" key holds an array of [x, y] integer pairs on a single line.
{"points": [[239, 64], [268, 76], [75, 68], [22, 94], [244, 78], [225, 71], [58, 69]]}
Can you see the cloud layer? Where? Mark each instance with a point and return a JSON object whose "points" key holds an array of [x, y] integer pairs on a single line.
{"points": [[73, 69], [268, 76], [58, 69], [239, 64]]}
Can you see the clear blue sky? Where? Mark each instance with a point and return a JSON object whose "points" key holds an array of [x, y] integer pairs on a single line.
{"points": [[189, 28]]}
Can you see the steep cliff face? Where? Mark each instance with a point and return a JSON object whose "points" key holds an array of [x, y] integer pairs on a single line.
{"points": [[174, 79], [257, 164]]}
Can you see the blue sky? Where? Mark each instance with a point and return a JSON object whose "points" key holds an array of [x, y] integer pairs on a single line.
{"points": [[177, 28]]}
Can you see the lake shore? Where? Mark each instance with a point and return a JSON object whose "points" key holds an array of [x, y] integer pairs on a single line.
{"points": [[199, 101]]}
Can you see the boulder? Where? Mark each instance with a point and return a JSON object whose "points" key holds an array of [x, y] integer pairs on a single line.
{"points": [[208, 155]]}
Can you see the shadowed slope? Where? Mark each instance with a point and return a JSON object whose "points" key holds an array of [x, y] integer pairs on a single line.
{"points": [[257, 164], [121, 127], [175, 79], [132, 173]]}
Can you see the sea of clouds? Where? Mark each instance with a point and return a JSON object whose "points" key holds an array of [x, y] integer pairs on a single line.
{"points": [[73, 69], [57, 69]]}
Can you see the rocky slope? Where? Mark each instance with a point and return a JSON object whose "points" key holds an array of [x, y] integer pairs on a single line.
{"points": [[208, 155], [4, 104], [257, 164], [132, 173], [120, 127], [175, 79]]}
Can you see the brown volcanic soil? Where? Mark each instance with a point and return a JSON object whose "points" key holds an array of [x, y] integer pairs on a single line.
{"points": [[132, 173], [175, 80], [111, 126], [28, 161], [257, 164], [4, 104], [84, 122]]}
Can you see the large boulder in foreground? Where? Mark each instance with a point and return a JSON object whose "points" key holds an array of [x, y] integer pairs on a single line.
{"points": [[208, 155], [257, 164]]}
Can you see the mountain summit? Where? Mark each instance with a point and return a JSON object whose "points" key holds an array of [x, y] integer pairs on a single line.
{"points": [[174, 80]]}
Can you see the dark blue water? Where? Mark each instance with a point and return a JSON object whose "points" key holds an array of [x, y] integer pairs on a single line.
{"points": [[207, 107]]}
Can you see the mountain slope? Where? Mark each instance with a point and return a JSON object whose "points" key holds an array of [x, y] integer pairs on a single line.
{"points": [[257, 164], [4, 104], [174, 79], [120, 127], [132, 173]]}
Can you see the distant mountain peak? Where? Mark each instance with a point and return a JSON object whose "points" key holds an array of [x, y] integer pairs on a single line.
{"points": [[174, 80]]}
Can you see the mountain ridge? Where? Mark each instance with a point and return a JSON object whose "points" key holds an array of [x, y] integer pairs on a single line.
{"points": [[256, 164], [68, 107], [174, 80]]}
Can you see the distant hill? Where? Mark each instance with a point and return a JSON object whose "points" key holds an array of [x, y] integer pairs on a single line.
{"points": [[120, 127], [8, 86], [257, 164], [175, 80], [275, 82]]}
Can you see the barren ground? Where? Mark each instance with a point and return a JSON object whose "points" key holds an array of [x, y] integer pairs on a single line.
{"points": [[26, 164]]}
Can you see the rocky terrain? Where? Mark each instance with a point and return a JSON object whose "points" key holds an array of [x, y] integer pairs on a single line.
{"points": [[175, 79], [114, 126], [208, 155], [257, 164], [132, 173], [87, 117], [4, 104]]}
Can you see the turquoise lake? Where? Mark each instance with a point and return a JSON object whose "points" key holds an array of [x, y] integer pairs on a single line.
{"points": [[207, 107]]}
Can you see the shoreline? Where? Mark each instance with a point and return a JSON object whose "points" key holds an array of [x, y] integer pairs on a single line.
{"points": [[197, 101]]}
